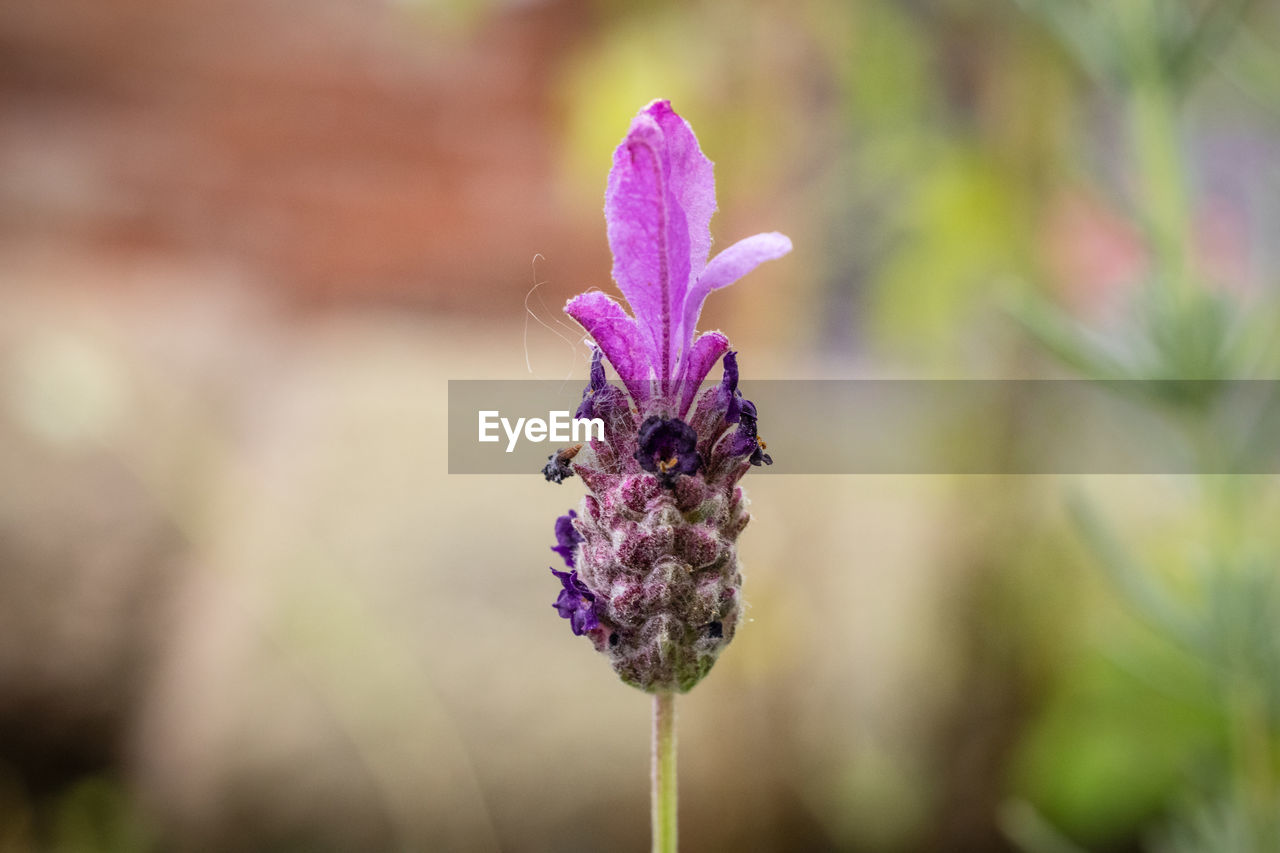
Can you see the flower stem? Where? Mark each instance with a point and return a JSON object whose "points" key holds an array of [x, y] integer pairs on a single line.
{"points": [[664, 773]]}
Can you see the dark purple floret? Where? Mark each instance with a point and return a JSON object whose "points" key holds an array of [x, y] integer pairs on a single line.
{"points": [[745, 439], [598, 381], [729, 396], [668, 447], [576, 603], [567, 538]]}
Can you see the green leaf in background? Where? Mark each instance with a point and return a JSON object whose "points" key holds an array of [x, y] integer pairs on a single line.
{"points": [[98, 815], [960, 220], [1109, 752]]}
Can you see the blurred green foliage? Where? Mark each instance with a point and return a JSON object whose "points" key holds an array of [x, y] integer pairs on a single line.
{"points": [[1199, 760]]}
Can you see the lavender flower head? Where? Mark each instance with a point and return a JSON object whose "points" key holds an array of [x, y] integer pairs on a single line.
{"points": [[655, 580]]}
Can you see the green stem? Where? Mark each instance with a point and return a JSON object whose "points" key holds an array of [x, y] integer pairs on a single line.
{"points": [[1165, 205], [664, 773]]}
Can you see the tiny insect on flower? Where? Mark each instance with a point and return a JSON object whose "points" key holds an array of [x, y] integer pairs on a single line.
{"points": [[557, 468]]}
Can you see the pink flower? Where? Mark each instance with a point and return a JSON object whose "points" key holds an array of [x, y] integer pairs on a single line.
{"points": [[656, 582]]}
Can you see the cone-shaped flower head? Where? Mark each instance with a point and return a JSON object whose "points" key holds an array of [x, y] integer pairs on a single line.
{"points": [[655, 581]]}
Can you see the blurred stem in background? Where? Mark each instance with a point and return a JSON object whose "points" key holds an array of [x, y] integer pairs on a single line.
{"points": [[1148, 52], [1157, 153]]}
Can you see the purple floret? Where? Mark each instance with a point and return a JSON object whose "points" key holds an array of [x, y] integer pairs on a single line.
{"points": [[729, 396], [668, 447], [745, 439], [576, 603], [598, 383], [567, 538]]}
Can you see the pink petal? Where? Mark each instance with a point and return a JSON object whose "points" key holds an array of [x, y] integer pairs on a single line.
{"points": [[697, 364], [726, 268], [616, 334], [691, 178], [649, 237]]}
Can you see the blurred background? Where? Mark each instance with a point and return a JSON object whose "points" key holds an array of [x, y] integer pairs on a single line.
{"points": [[243, 245]]}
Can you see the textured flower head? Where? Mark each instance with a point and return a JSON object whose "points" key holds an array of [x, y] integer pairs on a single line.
{"points": [[655, 580]]}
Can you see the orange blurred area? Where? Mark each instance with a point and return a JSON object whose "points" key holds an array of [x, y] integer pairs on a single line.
{"points": [[342, 152]]}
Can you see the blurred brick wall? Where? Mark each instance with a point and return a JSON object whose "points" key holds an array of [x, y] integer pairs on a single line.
{"points": [[339, 151]]}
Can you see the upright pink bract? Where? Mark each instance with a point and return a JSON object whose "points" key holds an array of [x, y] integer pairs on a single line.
{"points": [[658, 209]]}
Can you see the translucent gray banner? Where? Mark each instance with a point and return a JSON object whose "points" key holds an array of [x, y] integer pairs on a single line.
{"points": [[924, 426]]}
